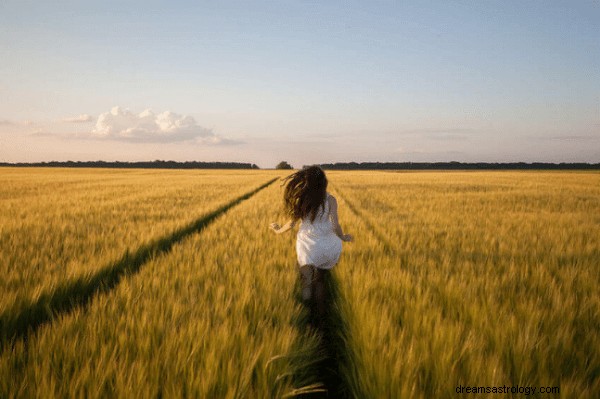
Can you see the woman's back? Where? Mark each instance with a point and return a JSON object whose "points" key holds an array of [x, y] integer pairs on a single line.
{"points": [[322, 222]]}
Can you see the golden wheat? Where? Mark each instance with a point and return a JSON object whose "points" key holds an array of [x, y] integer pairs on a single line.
{"points": [[215, 317], [478, 279], [455, 278], [58, 225]]}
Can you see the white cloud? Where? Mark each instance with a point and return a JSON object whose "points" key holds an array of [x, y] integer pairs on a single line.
{"points": [[83, 118], [122, 124]]}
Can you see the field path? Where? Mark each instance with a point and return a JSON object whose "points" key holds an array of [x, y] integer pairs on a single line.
{"points": [[78, 293], [339, 370]]}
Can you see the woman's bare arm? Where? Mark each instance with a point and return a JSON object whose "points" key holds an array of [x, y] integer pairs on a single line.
{"points": [[333, 214], [282, 229]]}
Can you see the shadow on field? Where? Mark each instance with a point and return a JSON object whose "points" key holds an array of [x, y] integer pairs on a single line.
{"points": [[23, 322], [323, 319]]}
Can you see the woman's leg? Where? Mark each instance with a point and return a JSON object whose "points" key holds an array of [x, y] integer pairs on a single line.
{"points": [[306, 278]]}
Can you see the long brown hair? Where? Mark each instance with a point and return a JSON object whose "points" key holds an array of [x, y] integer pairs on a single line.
{"points": [[305, 193]]}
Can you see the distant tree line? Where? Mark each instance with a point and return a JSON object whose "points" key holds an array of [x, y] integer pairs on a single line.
{"points": [[283, 165], [143, 165], [457, 165]]}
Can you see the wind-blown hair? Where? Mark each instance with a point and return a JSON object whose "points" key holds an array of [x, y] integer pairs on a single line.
{"points": [[305, 193]]}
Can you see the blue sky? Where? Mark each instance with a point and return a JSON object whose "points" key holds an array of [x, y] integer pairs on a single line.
{"points": [[308, 82]]}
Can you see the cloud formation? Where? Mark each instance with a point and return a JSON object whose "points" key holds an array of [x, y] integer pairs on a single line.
{"points": [[122, 124], [83, 118]]}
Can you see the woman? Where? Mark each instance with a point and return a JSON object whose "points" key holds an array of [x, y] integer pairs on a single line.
{"points": [[320, 236]]}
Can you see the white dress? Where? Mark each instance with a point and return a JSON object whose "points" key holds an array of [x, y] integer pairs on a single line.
{"points": [[316, 242]]}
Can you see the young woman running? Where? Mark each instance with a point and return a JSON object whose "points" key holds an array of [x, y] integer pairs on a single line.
{"points": [[320, 236]]}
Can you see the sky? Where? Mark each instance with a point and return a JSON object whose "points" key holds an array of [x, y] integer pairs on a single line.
{"points": [[301, 81]]}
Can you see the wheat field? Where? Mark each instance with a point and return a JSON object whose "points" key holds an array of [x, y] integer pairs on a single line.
{"points": [[157, 283]]}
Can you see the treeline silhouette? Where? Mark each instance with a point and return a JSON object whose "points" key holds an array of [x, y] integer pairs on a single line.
{"points": [[158, 164], [457, 165]]}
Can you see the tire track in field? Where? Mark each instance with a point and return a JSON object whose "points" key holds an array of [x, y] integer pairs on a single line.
{"points": [[339, 358], [439, 294], [78, 293], [334, 356], [387, 245]]}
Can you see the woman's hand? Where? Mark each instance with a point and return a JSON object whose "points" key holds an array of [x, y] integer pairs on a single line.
{"points": [[275, 227], [281, 229], [347, 238]]}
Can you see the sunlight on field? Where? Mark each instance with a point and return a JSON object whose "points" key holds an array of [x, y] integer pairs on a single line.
{"points": [[59, 225], [213, 318], [455, 278], [481, 278]]}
